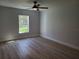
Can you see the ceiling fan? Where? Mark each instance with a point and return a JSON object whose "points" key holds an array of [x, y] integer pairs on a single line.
{"points": [[36, 6]]}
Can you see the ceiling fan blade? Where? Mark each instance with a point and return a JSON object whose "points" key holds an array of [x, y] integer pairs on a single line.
{"points": [[43, 7]]}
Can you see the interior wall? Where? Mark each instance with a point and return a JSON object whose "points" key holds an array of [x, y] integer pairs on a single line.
{"points": [[9, 23], [61, 22]]}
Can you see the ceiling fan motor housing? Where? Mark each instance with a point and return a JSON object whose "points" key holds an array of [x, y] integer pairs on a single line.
{"points": [[36, 5]]}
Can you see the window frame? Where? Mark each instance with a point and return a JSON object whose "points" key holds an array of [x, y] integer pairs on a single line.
{"points": [[28, 24]]}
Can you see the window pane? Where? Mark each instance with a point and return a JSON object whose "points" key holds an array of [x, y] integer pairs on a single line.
{"points": [[23, 24]]}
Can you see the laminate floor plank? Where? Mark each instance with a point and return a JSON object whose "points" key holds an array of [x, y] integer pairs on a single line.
{"points": [[36, 48]]}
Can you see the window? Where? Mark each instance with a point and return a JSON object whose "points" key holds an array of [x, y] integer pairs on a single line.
{"points": [[23, 23]]}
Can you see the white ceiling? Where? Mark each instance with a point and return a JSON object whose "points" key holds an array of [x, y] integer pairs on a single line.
{"points": [[23, 4], [26, 4]]}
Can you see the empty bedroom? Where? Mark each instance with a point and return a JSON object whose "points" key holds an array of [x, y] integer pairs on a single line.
{"points": [[39, 29]]}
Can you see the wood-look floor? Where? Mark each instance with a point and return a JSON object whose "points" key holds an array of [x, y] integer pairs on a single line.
{"points": [[36, 48]]}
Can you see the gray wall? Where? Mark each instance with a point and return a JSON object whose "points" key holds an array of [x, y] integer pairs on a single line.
{"points": [[9, 23], [61, 22]]}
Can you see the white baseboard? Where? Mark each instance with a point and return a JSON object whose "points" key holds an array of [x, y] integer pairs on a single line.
{"points": [[20, 37], [64, 43]]}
